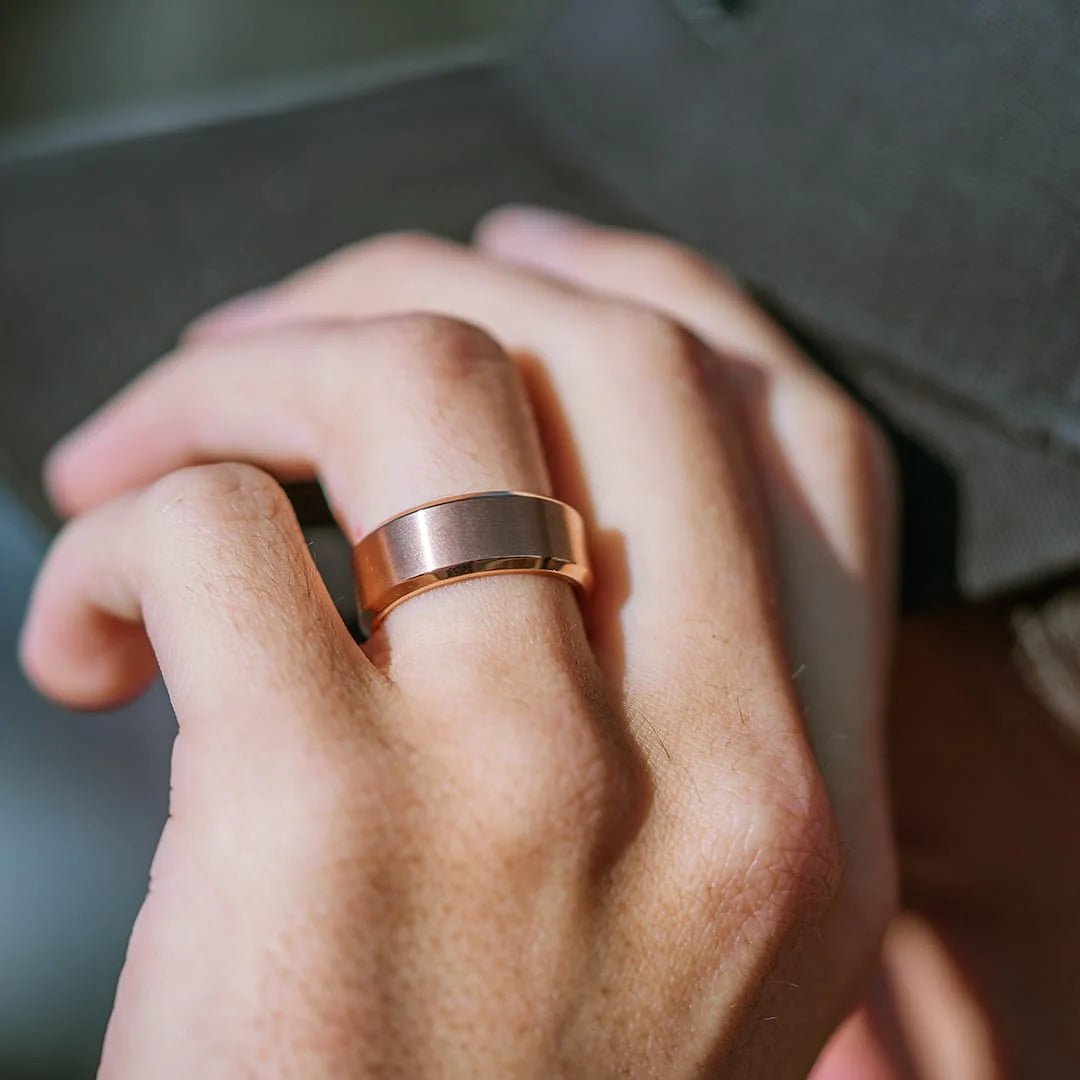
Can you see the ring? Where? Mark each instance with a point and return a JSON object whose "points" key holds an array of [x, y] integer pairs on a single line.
{"points": [[468, 536]]}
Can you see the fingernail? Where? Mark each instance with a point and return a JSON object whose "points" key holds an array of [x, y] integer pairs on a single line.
{"points": [[529, 226], [245, 312]]}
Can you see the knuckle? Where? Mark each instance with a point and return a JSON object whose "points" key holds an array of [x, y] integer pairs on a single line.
{"points": [[863, 446], [802, 836], [211, 497], [392, 252], [796, 864], [876, 454], [641, 336], [848, 429], [446, 349], [636, 323], [845, 417], [402, 246], [230, 529], [778, 864], [845, 438], [682, 269]]}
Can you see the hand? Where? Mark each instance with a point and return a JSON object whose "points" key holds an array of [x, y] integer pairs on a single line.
{"points": [[515, 836]]}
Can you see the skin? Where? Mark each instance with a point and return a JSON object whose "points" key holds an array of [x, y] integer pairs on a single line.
{"points": [[515, 835]]}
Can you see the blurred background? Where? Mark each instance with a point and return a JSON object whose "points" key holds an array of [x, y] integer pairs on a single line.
{"points": [[76, 59], [82, 799]]}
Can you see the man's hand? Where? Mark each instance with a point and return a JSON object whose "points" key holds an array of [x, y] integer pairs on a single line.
{"points": [[512, 837]]}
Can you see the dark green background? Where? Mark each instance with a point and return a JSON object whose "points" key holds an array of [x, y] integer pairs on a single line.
{"points": [[62, 59]]}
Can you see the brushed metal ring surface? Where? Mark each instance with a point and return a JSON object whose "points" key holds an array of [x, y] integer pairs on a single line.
{"points": [[468, 536]]}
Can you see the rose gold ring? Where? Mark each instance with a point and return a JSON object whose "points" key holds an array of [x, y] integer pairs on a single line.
{"points": [[469, 536]]}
